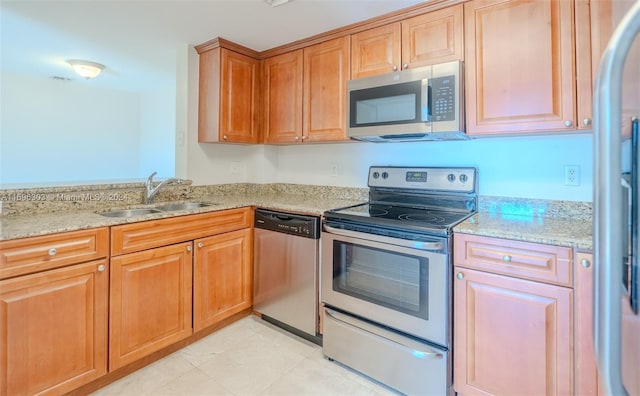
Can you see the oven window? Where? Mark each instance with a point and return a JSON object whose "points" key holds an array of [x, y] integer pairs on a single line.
{"points": [[383, 277]]}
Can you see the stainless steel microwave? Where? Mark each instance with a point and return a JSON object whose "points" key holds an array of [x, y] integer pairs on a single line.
{"points": [[424, 103]]}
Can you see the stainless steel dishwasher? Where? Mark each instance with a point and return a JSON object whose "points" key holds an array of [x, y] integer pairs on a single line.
{"points": [[285, 282]]}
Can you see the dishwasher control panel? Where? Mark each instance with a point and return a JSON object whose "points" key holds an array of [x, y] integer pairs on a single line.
{"points": [[288, 223]]}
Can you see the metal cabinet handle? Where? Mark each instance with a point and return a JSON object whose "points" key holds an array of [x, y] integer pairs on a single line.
{"points": [[585, 263], [305, 137], [460, 276], [586, 121], [189, 248], [200, 244], [395, 68], [297, 138], [101, 267], [53, 251], [568, 123], [224, 137], [405, 65], [506, 258]]}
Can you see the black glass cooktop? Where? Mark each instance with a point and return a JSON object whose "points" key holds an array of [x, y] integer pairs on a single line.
{"points": [[418, 218]]}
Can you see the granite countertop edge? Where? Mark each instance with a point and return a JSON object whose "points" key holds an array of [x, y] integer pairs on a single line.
{"points": [[574, 233]]}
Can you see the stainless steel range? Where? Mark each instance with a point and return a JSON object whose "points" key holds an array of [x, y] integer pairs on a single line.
{"points": [[386, 273]]}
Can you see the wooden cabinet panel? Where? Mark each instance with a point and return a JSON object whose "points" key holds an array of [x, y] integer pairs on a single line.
{"points": [[527, 260], [375, 51], [519, 66], [435, 37], [144, 235], [511, 336], [222, 277], [326, 72], [283, 98], [34, 254], [150, 302], [53, 329], [586, 368], [228, 97], [239, 98]]}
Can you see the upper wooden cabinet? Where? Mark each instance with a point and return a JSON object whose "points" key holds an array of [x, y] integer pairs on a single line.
{"points": [[519, 66], [434, 37], [305, 94], [229, 95]]}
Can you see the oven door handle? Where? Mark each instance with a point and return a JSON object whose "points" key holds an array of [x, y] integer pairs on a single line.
{"points": [[420, 245], [416, 350]]}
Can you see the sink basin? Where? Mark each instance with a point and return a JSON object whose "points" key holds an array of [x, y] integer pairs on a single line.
{"points": [[130, 212], [182, 206]]}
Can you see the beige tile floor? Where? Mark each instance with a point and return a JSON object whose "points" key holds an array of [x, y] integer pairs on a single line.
{"points": [[248, 357]]}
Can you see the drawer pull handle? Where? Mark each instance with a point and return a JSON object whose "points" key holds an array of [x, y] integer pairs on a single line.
{"points": [[101, 268], [200, 244], [53, 251], [460, 276], [506, 258], [189, 248], [585, 263]]}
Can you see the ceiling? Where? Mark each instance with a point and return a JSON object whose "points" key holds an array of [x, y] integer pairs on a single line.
{"points": [[137, 40]]}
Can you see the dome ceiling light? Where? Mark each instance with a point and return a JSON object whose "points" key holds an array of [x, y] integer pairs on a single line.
{"points": [[85, 68]]}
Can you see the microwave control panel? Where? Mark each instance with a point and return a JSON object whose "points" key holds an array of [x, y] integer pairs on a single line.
{"points": [[443, 96]]}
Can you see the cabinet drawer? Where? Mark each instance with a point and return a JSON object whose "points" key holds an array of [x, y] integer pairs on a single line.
{"points": [[144, 235], [525, 260], [34, 254]]}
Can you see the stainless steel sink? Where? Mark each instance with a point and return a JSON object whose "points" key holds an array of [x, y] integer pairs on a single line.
{"points": [[182, 206], [130, 212]]}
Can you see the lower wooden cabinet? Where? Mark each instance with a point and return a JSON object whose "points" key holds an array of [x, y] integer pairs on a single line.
{"points": [[150, 302], [586, 368], [511, 336], [222, 277], [53, 329]]}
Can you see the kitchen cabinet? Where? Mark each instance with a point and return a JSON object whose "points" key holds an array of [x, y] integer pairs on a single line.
{"points": [[433, 37], [512, 335], [53, 312], [305, 94], [150, 302], [162, 291], [283, 97], [223, 277], [519, 66], [586, 368], [229, 93]]}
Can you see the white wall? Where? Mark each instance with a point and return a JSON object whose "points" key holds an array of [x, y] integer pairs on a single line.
{"points": [[157, 132], [65, 130], [69, 131]]}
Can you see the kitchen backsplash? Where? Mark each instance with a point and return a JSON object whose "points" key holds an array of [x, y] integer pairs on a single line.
{"points": [[102, 197]]}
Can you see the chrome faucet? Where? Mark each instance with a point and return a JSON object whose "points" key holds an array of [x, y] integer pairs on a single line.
{"points": [[152, 191]]}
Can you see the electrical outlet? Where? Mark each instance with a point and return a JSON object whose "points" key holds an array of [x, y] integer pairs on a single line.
{"points": [[334, 170], [571, 175]]}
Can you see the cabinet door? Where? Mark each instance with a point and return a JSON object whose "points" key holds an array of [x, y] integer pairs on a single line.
{"points": [[434, 37], [150, 302], [326, 71], [375, 51], [519, 66], [586, 369], [222, 277], [283, 98], [511, 336], [53, 329], [238, 98]]}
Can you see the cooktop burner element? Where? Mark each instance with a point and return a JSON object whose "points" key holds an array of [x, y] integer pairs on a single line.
{"points": [[425, 200]]}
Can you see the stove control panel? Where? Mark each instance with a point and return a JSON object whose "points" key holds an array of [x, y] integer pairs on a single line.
{"points": [[456, 180]]}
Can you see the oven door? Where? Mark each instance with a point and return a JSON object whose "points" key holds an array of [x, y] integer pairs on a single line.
{"points": [[397, 283]]}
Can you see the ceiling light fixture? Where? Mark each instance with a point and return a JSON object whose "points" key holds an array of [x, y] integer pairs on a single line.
{"points": [[275, 3], [85, 68]]}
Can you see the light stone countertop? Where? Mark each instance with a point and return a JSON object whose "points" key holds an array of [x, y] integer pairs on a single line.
{"points": [[574, 233], [28, 225]]}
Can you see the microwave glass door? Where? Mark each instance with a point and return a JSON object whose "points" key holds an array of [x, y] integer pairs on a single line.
{"points": [[391, 279], [400, 103]]}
